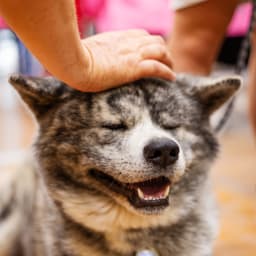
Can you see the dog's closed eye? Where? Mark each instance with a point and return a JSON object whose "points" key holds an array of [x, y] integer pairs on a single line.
{"points": [[171, 126], [115, 126]]}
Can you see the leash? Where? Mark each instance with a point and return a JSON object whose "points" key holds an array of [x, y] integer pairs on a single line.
{"points": [[240, 65]]}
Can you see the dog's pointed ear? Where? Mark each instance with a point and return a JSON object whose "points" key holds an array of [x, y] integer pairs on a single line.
{"points": [[212, 93], [40, 94]]}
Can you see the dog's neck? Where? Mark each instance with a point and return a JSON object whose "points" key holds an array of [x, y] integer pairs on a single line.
{"points": [[85, 234], [82, 239]]}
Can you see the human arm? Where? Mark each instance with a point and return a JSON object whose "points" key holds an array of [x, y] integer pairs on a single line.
{"points": [[197, 34], [49, 30]]}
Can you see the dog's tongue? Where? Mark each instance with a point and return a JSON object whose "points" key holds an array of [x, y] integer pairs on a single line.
{"points": [[153, 189]]}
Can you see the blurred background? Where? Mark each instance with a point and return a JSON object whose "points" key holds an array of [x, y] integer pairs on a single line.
{"points": [[234, 173]]}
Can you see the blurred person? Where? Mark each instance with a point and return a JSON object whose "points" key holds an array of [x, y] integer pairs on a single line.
{"points": [[49, 30], [144, 14], [199, 29]]}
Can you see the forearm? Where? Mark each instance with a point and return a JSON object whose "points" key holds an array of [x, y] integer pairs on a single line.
{"points": [[198, 33], [49, 29]]}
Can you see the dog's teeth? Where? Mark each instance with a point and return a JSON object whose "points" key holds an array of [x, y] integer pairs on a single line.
{"points": [[152, 198], [166, 192], [140, 193]]}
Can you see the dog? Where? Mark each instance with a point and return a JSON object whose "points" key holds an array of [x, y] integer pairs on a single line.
{"points": [[117, 173]]}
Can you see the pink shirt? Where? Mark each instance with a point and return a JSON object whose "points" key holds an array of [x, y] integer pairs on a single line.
{"points": [[241, 20], [153, 15]]}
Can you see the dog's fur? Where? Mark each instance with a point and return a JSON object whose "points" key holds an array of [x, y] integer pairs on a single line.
{"points": [[64, 206]]}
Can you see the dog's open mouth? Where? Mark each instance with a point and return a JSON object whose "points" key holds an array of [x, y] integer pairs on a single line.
{"points": [[147, 194]]}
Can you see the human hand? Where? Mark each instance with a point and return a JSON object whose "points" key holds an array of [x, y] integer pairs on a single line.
{"points": [[119, 57]]}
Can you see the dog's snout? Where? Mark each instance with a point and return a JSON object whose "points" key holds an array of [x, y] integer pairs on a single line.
{"points": [[162, 152]]}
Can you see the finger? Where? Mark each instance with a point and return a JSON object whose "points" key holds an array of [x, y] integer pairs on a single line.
{"points": [[153, 68], [156, 52], [158, 39]]}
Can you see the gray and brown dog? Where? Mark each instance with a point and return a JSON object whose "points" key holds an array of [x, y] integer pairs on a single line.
{"points": [[117, 173]]}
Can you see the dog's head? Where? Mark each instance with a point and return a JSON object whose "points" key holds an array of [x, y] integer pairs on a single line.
{"points": [[133, 146]]}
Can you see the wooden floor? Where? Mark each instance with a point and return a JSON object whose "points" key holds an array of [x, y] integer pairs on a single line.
{"points": [[233, 175]]}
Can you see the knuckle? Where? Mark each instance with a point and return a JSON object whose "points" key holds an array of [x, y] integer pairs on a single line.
{"points": [[131, 61], [159, 39], [156, 69], [162, 52]]}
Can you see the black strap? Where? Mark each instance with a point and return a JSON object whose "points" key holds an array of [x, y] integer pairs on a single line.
{"points": [[240, 65]]}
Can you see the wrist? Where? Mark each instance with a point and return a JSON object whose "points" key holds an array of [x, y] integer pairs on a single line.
{"points": [[76, 72]]}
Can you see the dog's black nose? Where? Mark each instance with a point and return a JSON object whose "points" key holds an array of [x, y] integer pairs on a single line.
{"points": [[162, 152]]}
